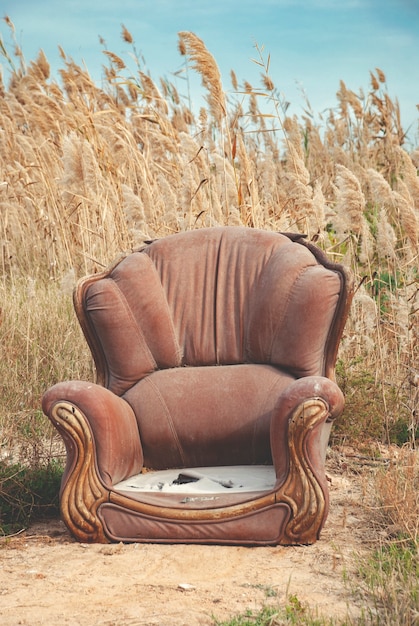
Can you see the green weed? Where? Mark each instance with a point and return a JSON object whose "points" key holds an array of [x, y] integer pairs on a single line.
{"points": [[27, 494], [389, 583], [293, 613]]}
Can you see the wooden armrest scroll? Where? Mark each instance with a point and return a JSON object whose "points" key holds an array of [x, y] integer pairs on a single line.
{"points": [[302, 490], [83, 491]]}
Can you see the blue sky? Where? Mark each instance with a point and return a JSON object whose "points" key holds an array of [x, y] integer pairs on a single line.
{"points": [[312, 43]]}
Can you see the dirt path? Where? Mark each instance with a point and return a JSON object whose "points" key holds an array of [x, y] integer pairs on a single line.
{"points": [[47, 578]]}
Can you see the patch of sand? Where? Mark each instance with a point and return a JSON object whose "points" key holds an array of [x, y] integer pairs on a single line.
{"points": [[47, 578]]}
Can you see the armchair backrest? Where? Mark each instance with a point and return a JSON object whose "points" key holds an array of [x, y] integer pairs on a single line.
{"points": [[221, 295]]}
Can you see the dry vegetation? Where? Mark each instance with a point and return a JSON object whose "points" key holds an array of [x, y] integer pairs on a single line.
{"points": [[87, 172]]}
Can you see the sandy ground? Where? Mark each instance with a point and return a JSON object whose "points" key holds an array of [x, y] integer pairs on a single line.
{"points": [[47, 578]]}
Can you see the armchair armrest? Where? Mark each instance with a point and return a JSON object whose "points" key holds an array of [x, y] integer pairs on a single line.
{"points": [[306, 410], [296, 406], [101, 436], [111, 421]]}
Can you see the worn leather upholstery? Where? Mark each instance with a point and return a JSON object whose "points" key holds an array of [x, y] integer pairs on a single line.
{"points": [[199, 338]]}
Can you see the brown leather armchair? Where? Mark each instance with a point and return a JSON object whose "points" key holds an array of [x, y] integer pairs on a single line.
{"points": [[215, 352]]}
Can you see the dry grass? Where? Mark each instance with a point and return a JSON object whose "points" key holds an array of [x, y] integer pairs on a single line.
{"points": [[398, 494], [41, 340]]}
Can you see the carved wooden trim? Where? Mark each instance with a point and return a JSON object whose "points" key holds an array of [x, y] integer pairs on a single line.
{"points": [[83, 491], [302, 490]]}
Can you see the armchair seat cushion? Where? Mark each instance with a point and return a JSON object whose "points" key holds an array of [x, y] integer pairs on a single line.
{"points": [[210, 487], [202, 480], [190, 417]]}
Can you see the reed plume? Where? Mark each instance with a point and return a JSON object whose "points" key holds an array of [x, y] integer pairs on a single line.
{"points": [[204, 63], [296, 181], [399, 207], [408, 220], [350, 201], [409, 174], [386, 237]]}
